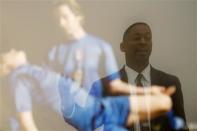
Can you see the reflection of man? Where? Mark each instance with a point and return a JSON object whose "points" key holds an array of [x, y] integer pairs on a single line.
{"points": [[137, 46]]}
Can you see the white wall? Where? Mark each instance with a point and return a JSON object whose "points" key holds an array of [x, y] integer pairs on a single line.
{"points": [[31, 25]]}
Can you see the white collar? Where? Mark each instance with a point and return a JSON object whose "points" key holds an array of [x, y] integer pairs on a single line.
{"points": [[132, 74]]}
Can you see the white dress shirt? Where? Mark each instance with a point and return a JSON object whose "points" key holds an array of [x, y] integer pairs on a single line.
{"points": [[132, 75], [146, 82]]}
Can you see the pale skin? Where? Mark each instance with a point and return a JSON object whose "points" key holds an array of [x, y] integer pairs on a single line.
{"points": [[27, 122], [118, 87]]}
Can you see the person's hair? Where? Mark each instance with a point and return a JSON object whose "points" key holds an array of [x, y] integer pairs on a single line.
{"points": [[131, 26], [73, 5]]}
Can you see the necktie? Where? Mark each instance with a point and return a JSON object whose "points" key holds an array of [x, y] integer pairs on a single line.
{"points": [[138, 80], [139, 126]]}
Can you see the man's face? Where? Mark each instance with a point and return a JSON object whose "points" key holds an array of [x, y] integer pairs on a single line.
{"points": [[137, 44], [68, 20]]}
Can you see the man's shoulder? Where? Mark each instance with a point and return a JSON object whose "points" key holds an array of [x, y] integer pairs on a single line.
{"points": [[163, 75], [110, 77]]}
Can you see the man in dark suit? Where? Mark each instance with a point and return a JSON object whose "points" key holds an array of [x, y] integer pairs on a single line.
{"points": [[137, 46]]}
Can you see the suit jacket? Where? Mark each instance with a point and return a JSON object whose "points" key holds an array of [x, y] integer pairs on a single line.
{"points": [[101, 89]]}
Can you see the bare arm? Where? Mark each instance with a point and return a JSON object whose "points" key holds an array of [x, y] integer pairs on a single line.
{"points": [[149, 106], [27, 121], [118, 87]]}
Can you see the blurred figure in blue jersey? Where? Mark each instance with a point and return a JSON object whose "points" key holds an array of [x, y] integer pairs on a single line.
{"points": [[34, 93], [84, 55]]}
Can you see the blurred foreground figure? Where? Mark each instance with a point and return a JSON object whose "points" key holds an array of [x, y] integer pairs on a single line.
{"points": [[114, 113], [35, 93]]}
